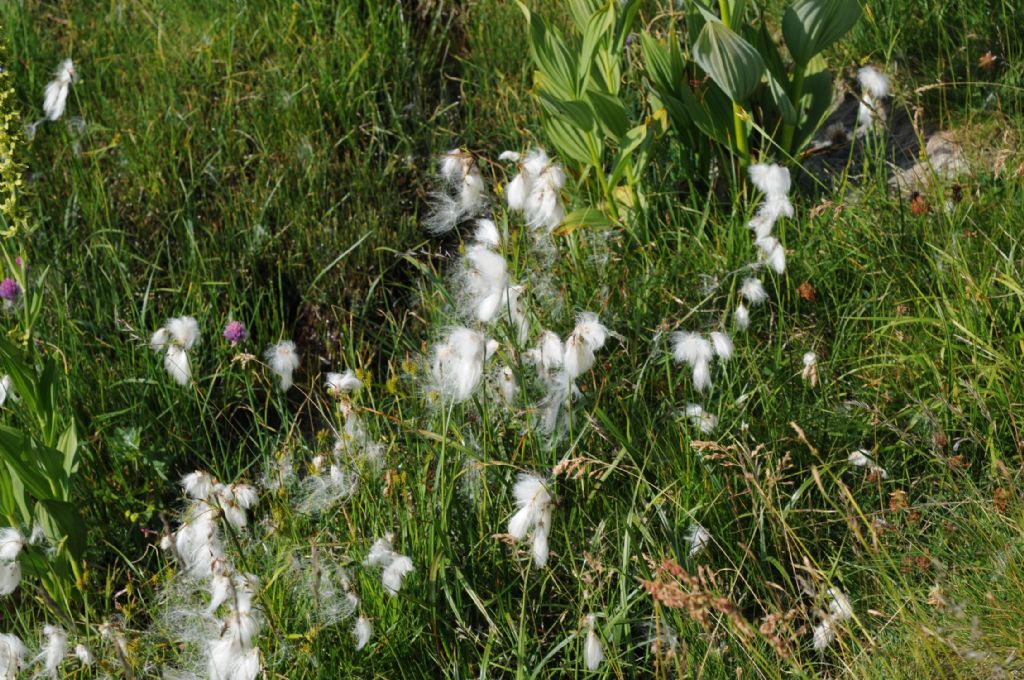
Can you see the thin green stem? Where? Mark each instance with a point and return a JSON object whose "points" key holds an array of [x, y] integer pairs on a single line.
{"points": [[740, 131], [796, 95]]}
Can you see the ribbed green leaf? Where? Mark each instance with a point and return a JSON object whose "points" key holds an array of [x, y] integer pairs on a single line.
{"points": [[731, 62], [570, 141], [610, 112], [810, 26]]}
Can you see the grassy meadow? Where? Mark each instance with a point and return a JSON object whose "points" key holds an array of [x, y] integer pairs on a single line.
{"points": [[274, 162]]}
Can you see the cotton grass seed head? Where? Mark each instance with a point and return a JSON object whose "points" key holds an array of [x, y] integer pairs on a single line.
{"points": [[55, 96], [283, 359], [753, 291]]}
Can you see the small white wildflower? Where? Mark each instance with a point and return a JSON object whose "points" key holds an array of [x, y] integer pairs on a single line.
{"points": [[699, 539], [283, 359], [55, 96], [593, 653], [361, 631]]}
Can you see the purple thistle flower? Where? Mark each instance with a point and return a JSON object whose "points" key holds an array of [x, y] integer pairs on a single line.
{"points": [[9, 289], [235, 333]]}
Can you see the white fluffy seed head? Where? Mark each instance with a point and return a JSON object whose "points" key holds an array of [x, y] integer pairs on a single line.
{"points": [[741, 317], [839, 605], [859, 458], [12, 656], [177, 364], [458, 363], [342, 383], [55, 96], [361, 631], [691, 348], [578, 357], [699, 539], [84, 656], [395, 573], [824, 634], [590, 329], [722, 345], [11, 543], [487, 234], [873, 82], [158, 341], [283, 359], [10, 577], [771, 180], [593, 653], [753, 291], [184, 331], [702, 375], [198, 485]]}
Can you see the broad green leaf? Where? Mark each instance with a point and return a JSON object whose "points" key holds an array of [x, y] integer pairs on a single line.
{"points": [[594, 35], [626, 18], [583, 10], [569, 140], [665, 65], [817, 102], [68, 445], [60, 520], [579, 114], [550, 55], [610, 112], [780, 98], [631, 142], [17, 451], [20, 497], [731, 62], [810, 26], [584, 217]]}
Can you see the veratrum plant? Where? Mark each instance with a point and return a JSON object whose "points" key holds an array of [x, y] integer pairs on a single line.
{"points": [[578, 81], [38, 459], [728, 77]]}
